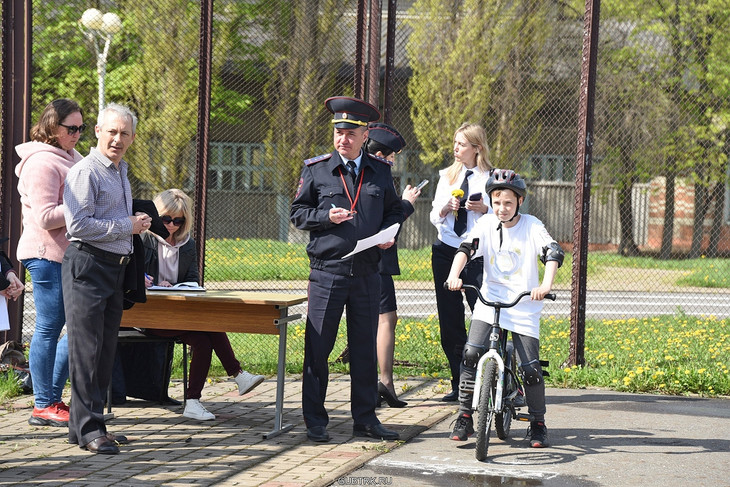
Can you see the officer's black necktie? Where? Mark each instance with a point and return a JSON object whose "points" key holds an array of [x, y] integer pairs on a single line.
{"points": [[460, 222], [352, 168]]}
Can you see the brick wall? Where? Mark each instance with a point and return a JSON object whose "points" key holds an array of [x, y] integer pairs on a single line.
{"points": [[684, 195]]}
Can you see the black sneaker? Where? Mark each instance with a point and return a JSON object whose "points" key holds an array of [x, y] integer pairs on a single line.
{"points": [[538, 434], [464, 428]]}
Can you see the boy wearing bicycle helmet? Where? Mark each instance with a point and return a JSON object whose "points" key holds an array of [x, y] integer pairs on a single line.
{"points": [[510, 243]]}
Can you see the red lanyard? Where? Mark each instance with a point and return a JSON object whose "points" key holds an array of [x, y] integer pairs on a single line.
{"points": [[359, 187]]}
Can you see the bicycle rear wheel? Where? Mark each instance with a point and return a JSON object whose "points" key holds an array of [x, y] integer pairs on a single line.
{"points": [[487, 396], [503, 419]]}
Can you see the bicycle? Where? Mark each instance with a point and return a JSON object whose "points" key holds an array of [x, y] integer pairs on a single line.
{"points": [[498, 390]]}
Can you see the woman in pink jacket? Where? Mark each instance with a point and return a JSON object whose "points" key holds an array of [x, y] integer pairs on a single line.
{"points": [[42, 173]]}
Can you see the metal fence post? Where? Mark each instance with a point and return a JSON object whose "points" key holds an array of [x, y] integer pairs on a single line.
{"points": [[17, 34], [203, 149], [583, 182]]}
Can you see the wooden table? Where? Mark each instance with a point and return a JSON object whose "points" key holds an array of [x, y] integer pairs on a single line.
{"points": [[228, 311]]}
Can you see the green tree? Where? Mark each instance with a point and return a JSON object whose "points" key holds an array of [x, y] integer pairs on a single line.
{"points": [[62, 65], [303, 58], [630, 113], [153, 67], [476, 60], [694, 50]]}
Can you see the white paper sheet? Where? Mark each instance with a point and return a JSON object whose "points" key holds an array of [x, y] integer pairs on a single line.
{"points": [[4, 319], [180, 286], [381, 237]]}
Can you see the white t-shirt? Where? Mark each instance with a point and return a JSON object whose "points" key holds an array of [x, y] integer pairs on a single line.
{"points": [[510, 269]]}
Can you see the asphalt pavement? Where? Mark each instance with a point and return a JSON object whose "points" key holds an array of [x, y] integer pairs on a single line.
{"points": [[598, 438]]}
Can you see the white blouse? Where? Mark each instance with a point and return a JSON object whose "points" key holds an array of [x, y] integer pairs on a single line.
{"points": [[445, 225], [168, 258]]}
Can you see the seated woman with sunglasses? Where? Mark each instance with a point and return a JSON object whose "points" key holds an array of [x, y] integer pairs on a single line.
{"points": [[172, 260]]}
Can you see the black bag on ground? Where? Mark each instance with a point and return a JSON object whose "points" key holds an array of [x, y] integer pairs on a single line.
{"points": [[145, 371]]}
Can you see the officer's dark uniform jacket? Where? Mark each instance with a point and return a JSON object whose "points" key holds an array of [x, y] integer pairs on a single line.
{"points": [[378, 207], [389, 257]]}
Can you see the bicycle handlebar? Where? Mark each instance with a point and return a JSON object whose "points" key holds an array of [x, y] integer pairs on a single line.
{"points": [[495, 304]]}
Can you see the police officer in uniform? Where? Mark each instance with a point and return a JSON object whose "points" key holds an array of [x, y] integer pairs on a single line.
{"points": [[343, 197]]}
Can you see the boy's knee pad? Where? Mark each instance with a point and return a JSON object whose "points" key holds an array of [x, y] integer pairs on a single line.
{"points": [[472, 354], [531, 373], [466, 385]]}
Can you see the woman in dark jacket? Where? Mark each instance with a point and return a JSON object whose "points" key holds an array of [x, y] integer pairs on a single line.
{"points": [[173, 260], [386, 142]]}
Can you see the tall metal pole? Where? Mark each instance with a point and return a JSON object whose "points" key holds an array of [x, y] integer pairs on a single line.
{"points": [[359, 81], [583, 182], [203, 147], [389, 63], [17, 27], [374, 53]]}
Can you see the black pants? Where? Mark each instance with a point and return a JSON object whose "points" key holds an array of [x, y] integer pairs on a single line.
{"points": [[92, 295], [329, 294], [450, 304]]}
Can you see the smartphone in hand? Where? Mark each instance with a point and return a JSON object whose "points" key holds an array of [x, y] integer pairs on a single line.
{"points": [[422, 184], [475, 197]]}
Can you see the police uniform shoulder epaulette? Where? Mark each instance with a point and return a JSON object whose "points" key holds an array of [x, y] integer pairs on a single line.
{"points": [[381, 159], [317, 159]]}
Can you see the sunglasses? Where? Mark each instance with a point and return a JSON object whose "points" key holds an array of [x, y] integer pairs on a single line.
{"points": [[175, 221], [72, 129]]}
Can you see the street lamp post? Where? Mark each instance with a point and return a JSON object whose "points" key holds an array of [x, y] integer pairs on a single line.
{"points": [[98, 28]]}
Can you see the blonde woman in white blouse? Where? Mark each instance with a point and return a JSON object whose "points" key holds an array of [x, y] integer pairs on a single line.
{"points": [[453, 216]]}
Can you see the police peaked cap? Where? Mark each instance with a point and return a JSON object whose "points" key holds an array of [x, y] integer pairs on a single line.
{"points": [[351, 113], [387, 136]]}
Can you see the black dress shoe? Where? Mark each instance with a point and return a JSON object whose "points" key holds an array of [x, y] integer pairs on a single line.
{"points": [[377, 431], [102, 445], [391, 399], [452, 396], [318, 434], [118, 439]]}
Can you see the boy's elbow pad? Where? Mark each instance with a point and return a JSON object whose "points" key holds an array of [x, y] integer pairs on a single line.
{"points": [[552, 252], [468, 248]]}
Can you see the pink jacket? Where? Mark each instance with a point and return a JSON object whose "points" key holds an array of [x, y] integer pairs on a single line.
{"points": [[42, 174]]}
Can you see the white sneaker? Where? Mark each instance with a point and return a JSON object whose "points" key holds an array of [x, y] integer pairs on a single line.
{"points": [[195, 410], [246, 382]]}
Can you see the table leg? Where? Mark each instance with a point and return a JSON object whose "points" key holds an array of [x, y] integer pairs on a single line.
{"points": [[280, 428]]}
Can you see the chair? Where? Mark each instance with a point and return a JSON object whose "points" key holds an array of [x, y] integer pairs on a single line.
{"points": [[133, 335]]}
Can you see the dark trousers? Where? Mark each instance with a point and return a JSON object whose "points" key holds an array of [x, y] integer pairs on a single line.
{"points": [[203, 343], [93, 296], [329, 294], [450, 304]]}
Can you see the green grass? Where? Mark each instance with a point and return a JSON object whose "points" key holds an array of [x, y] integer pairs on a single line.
{"points": [[261, 260], [665, 355], [670, 355], [9, 386]]}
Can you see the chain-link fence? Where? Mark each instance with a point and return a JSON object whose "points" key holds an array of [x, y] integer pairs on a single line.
{"points": [[661, 125]]}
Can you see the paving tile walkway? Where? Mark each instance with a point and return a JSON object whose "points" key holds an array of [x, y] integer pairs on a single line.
{"points": [[167, 449]]}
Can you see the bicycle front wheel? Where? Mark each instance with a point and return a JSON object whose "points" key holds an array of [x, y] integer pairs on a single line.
{"points": [[503, 418], [487, 400]]}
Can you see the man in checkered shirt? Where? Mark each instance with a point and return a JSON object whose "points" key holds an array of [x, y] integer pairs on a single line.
{"points": [[99, 221]]}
